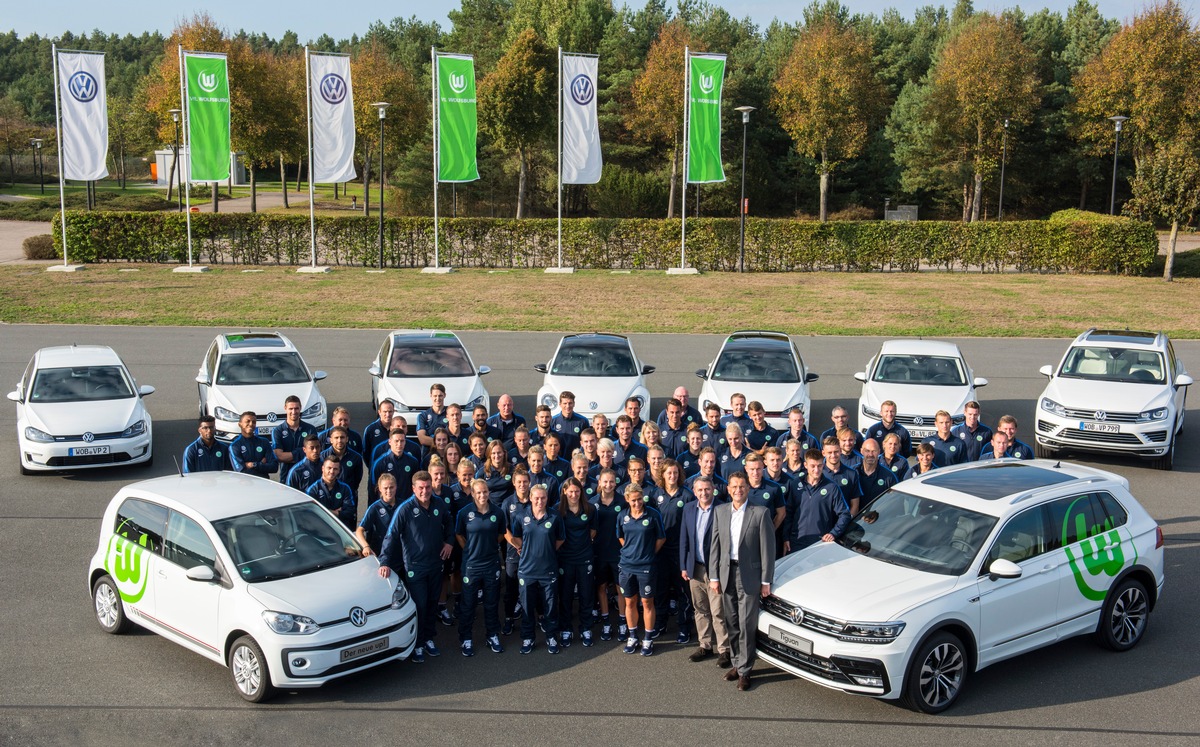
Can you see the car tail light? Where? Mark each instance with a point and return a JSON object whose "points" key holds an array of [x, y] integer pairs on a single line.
{"points": [[1158, 538]]}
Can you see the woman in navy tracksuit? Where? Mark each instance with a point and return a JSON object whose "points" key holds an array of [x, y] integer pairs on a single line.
{"points": [[575, 563]]}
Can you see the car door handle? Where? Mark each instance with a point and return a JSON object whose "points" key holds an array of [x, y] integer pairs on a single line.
{"points": [[162, 574], [1049, 567]]}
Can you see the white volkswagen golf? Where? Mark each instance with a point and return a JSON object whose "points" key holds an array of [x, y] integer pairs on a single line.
{"points": [[960, 568], [248, 573]]}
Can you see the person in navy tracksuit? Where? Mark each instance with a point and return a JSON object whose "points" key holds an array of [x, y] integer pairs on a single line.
{"points": [[206, 453], [250, 452], [479, 527]]}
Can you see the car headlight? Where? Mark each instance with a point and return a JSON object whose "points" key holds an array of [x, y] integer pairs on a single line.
{"points": [[641, 402], [286, 624], [549, 400], [228, 415], [136, 429], [397, 404], [859, 632], [399, 596], [33, 434], [313, 411], [470, 406], [958, 419], [704, 403], [1050, 405], [871, 413], [1152, 415]]}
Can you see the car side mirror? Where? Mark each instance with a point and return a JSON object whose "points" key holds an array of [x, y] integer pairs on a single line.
{"points": [[861, 376], [979, 382], [647, 370], [145, 390], [375, 371], [1180, 380], [539, 367], [1046, 371], [319, 375], [701, 373], [1002, 568], [203, 379], [202, 573], [810, 377], [485, 370]]}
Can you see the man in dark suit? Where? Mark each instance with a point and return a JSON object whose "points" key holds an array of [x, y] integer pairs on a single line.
{"points": [[741, 566], [695, 537]]}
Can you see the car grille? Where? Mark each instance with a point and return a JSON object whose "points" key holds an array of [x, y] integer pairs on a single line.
{"points": [[927, 421], [812, 621], [1045, 426], [82, 461], [1109, 417], [1129, 439], [1156, 437], [823, 668], [95, 437]]}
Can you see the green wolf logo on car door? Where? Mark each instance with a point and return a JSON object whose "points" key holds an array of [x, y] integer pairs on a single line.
{"points": [[1099, 558], [126, 563]]}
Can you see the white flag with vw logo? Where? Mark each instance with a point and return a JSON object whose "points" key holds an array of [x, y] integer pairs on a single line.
{"points": [[332, 118], [581, 161], [84, 115]]}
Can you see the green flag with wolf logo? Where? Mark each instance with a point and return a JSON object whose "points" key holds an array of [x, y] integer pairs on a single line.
{"points": [[705, 76], [207, 86], [457, 120]]}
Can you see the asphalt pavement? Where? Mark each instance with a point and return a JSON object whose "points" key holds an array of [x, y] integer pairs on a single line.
{"points": [[66, 682]]}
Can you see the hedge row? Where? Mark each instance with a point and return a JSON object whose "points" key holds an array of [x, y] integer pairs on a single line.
{"points": [[1108, 246]]}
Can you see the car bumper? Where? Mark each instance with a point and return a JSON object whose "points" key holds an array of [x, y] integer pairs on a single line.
{"points": [[61, 455], [1143, 439], [226, 430], [875, 670], [318, 659]]}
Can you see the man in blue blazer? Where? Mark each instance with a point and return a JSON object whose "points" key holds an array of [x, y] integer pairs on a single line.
{"points": [[695, 537]]}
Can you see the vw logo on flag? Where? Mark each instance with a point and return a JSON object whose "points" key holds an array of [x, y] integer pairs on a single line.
{"points": [[582, 90], [706, 83], [207, 82], [458, 82], [333, 88], [83, 87]]}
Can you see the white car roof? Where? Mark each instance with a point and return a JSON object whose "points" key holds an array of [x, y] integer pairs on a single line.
{"points": [[243, 342], [920, 347], [996, 487], [215, 495], [65, 356], [422, 333], [1123, 338]]}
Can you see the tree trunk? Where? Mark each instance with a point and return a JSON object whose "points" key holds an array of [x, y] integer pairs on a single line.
{"points": [[367, 184], [216, 193], [12, 173], [283, 181], [253, 190], [1168, 268], [121, 169], [824, 212], [1083, 195], [978, 196], [674, 176], [299, 169], [521, 176], [171, 179], [966, 202]]}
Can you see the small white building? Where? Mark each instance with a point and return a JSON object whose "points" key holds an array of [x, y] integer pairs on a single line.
{"points": [[164, 157]]}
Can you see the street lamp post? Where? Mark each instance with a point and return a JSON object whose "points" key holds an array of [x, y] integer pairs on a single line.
{"points": [[175, 164], [38, 163], [1003, 161], [745, 110], [1117, 121], [382, 107]]}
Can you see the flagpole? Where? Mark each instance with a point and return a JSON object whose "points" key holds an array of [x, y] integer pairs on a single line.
{"points": [[187, 146], [434, 111], [62, 200], [687, 89], [312, 221], [560, 154]]}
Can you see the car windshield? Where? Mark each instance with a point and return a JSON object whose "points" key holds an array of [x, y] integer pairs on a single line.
{"points": [[594, 358], [1114, 364], [239, 369], [284, 542], [81, 384], [429, 358], [771, 364], [918, 533], [933, 370]]}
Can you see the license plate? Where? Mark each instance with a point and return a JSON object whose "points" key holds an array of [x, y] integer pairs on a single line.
{"points": [[920, 433], [369, 647], [265, 430], [1100, 427], [88, 450], [803, 645]]}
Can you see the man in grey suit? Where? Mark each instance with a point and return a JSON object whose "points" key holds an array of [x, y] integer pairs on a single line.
{"points": [[741, 566]]}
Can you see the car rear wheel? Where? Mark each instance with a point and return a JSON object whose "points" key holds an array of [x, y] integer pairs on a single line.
{"points": [[937, 674], [248, 667], [106, 601], [1125, 616]]}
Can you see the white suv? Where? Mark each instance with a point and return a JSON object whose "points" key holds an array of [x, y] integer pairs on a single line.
{"points": [[960, 568], [1114, 391]]}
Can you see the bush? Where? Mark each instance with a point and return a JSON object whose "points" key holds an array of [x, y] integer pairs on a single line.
{"points": [[855, 212], [40, 247], [1121, 246]]}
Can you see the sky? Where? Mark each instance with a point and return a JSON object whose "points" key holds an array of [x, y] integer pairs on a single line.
{"points": [[311, 18]]}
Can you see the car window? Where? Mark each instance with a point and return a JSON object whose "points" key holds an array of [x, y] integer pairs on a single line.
{"points": [[187, 545], [142, 523], [1077, 518], [593, 360], [935, 370], [261, 368], [210, 360], [81, 384], [1114, 364], [428, 360], [26, 378], [285, 542], [775, 366], [1023, 537]]}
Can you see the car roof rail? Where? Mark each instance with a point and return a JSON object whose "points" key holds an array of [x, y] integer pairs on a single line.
{"points": [[1079, 481]]}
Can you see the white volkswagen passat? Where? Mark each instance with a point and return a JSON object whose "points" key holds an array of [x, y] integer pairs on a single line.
{"points": [[77, 408], [248, 573], [412, 360], [601, 370], [960, 568], [921, 377]]}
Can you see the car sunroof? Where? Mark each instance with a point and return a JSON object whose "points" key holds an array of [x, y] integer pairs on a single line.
{"points": [[254, 341], [999, 480]]}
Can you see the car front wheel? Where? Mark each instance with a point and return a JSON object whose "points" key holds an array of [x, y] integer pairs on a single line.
{"points": [[937, 674], [248, 667], [1125, 616], [106, 602], [1167, 460]]}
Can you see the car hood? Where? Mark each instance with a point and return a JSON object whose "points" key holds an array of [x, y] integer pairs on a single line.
{"points": [[75, 418], [327, 595], [774, 397], [1082, 394], [264, 398], [607, 392], [834, 581], [917, 399], [414, 393]]}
